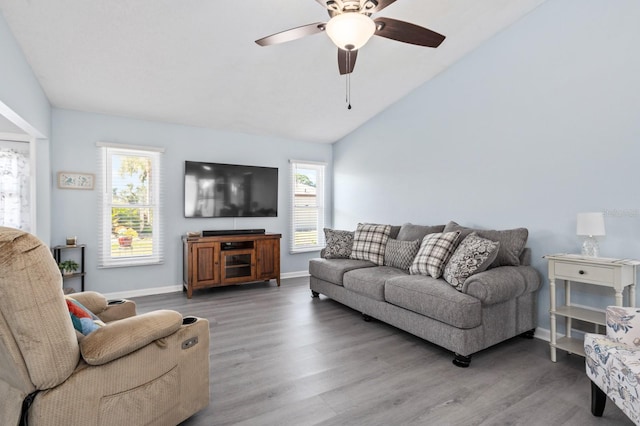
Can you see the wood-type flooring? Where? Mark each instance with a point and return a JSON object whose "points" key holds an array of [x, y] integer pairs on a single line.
{"points": [[279, 357]]}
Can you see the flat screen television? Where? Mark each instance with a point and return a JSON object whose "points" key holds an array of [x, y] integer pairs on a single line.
{"points": [[229, 190]]}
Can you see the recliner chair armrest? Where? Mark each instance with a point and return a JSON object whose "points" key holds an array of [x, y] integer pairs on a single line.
{"points": [[122, 337], [106, 310], [93, 301], [502, 283], [117, 310]]}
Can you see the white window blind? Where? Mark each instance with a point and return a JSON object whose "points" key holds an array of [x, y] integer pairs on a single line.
{"points": [[130, 181], [307, 206]]}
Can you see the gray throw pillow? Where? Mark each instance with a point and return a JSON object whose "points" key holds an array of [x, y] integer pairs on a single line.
{"points": [[338, 244], [369, 242], [411, 232], [400, 254], [394, 231], [473, 255], [435, 251], [512, 242]]}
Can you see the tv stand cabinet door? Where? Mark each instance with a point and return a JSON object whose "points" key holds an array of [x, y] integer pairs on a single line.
{"points": [[205, 258], [268, 259], [238, 266]]}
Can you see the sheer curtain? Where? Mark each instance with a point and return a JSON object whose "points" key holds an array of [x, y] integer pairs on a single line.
{"points": [[15, 185]]}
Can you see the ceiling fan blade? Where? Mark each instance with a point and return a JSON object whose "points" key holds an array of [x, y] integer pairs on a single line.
{"points": [[381, 4], [407, 33], [292, 34], [346, 61]]}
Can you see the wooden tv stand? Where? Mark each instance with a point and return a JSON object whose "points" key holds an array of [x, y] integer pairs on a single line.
{"points": [[229, 259]]}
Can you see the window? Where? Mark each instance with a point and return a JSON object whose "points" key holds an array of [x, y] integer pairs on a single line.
{"points": [[130, 182], [307, 206], [15, 185]]}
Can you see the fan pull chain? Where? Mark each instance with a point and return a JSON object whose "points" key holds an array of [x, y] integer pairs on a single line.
{"points": [[348, 79], [349, 91]]}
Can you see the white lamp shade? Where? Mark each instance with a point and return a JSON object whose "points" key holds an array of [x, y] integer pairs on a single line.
{"points": [[350, 31], [591, 224]]}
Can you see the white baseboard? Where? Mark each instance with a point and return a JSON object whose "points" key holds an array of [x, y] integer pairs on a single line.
{"points": [[176, 288], [543, 334], [297, 274], [143, 292]]}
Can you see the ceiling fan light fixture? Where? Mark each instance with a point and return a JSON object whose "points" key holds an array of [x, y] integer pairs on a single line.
{"points": [[350, 31]]}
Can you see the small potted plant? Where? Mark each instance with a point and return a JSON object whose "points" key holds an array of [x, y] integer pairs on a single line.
{"points": [[126, 236], [68, 267]]}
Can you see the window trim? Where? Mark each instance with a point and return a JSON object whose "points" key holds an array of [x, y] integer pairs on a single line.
{"points": [[107, 151], [320, 200]]}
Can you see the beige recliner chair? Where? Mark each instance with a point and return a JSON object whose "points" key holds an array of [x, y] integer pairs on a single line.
{"points": [[149, 369]]}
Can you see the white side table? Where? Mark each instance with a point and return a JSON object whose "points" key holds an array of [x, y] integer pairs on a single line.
{"points": [[607, 272]]}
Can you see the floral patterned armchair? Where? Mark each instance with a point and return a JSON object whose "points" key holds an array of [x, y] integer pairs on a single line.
{"points": [[613, 363]]}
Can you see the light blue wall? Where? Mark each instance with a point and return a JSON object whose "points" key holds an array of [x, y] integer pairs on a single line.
{"points": [[19, 88], [76, 212], [21, 92], [538, 124]]}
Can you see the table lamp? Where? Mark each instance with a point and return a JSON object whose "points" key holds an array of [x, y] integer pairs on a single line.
{"points": [[590, 225]]}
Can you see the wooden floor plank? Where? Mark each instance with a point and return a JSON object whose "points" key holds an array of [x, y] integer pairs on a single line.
{"points": [[279, 357]]}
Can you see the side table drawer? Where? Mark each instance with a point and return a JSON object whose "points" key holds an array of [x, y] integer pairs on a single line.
{"points": [[585, 273]]}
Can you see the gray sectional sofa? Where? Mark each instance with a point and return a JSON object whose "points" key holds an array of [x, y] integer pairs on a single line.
{"points": [[489, 307]]}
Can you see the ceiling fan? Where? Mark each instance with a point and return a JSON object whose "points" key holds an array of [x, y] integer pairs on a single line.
{"points": [[351, 26]]}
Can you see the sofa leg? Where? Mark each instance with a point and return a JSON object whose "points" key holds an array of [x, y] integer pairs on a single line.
{"points": [[366, 317], [598, 400], [461, 360], [529, 334], [314, 294]]}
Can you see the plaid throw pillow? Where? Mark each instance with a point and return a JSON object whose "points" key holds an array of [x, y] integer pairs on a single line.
{"points": [[435, 251], [400, 254], [369, 242]]}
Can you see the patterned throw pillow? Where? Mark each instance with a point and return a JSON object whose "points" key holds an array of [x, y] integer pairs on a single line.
{"points": [[339, 244], [473, 255], [82, 318], [400, 254], [435, 251], [369, 242]]}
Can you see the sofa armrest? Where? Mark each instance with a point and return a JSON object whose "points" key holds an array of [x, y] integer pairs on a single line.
{"points": [[122, 337], [501, 284]]}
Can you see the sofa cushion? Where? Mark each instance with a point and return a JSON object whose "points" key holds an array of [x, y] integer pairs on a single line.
{"points": [[511, 241], [369, 242], [411, 232], [370, 281], [338, 243], [332, 270], [473, 255], [435, 251], [434, 298], [400, 254]]}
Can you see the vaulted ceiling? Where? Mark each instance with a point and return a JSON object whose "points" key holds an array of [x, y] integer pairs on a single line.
{"points": [[194, 62]]}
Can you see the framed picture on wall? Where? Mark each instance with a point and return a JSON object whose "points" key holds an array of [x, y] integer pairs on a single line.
{"points": [[73, 180]]}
